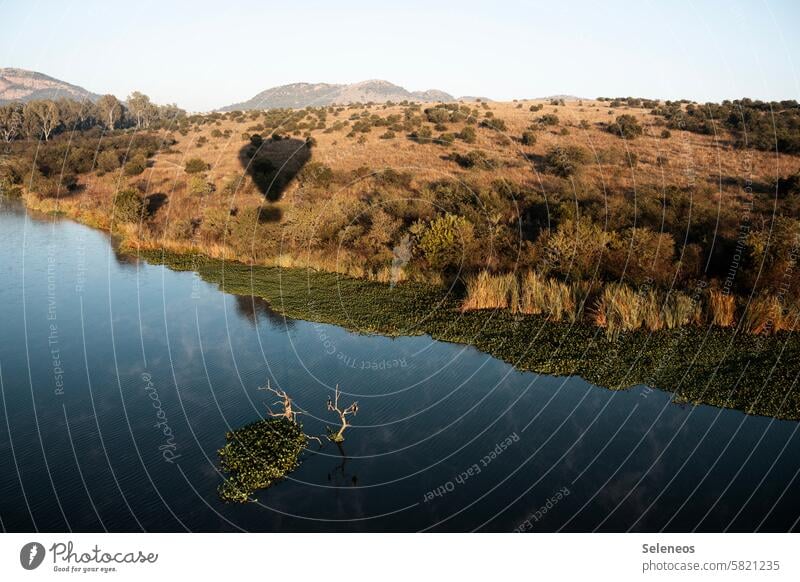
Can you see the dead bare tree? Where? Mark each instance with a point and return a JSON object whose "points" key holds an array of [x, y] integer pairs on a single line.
{"points": [[288, 412], [333, 406]]}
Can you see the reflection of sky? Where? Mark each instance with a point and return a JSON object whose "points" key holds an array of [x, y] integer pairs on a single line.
{"points": [[419, 424]]}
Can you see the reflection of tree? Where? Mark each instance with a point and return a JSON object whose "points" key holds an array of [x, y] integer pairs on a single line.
{"points": [[253, 308], [338, 475]]}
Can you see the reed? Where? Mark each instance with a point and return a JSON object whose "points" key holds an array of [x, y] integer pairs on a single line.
{"points": [[487, 291], [763, 315], [721, 308]]}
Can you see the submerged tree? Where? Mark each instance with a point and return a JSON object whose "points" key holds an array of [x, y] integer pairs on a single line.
{"points": [[288, 412], [333, 406]]}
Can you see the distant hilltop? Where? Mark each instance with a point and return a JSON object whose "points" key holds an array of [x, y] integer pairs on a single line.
{"points": [[24, 85], [298, 95]]}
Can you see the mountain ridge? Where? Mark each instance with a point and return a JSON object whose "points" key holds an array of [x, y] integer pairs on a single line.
{"points": [[25, 85], [299, 95]]}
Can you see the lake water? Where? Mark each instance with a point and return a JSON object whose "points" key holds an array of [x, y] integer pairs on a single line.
{"points": [[100, 356]]}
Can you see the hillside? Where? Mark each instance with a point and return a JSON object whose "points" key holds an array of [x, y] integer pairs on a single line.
{"points": [[299, 95], [23, 85], [602, 210]]}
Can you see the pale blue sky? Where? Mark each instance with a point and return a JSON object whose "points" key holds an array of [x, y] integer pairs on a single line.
{"points": [[205, 54]]}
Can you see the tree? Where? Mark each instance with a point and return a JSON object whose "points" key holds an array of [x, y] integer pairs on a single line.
{"points": [[288, 413], [10, 121], [110, 110], [333, 406], [41, 117], [141, 109]]}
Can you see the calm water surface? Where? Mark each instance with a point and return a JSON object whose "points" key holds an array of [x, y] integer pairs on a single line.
{"points": [[446, 439]]}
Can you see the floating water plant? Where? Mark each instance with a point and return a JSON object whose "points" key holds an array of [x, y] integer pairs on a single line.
{"points": [[259, 454]]}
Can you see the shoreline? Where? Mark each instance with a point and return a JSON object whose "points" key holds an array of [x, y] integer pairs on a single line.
{"points": [[697, 365]]}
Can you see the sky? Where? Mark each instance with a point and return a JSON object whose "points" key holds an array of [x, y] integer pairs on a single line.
{"points": [[203, 55]]}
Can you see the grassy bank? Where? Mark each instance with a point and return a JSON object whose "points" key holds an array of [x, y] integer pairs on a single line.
{"points": [[715, 366]]}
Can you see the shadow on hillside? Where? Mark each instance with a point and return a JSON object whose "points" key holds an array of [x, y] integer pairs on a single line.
{"points": [[154, 202], [273, 164]]}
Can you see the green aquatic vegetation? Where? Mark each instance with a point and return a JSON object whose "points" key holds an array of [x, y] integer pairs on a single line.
{"points": [[257, 455], [754, 374]]}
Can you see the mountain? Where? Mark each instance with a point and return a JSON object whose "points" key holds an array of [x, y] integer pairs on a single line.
{"points": [[299, 95], [22, 85]]}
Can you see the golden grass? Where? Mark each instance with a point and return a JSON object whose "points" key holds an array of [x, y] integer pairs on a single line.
{"points": [[722, 308], [487, 291]]}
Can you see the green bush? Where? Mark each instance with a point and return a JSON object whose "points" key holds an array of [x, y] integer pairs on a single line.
{"points": [[548, 119], [128, 206], [467, 134], [474, 159], [494, 123], [528, 138], [446, 241], [107, 161], [564, 161], [199, 185], [136, 166], [195, 166], [626, 126]]}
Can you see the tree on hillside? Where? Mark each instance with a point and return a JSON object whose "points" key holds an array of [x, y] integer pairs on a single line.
{"points": [[110, 109], [41, 118], [10, 121], [140, 108]]}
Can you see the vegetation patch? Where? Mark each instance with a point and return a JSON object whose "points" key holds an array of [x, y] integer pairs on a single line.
{"points": [[259, 454]]}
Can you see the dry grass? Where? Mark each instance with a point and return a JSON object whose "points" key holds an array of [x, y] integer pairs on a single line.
{"points": [[763, 315], [722, 308], [487, 291]]}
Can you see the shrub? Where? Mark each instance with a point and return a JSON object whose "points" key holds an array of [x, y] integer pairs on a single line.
{"points": [[388, 134], [445, 139], [316, 174], [474, 159], [548, 119], [528, 138], [666, 134], [195, 166], [564, 161], [107, 161], [789, 186], [199, 185], [467, 134], [128, 206], [136, 166], [446, 240], [626, 126], [422, 135], [494, 123]]}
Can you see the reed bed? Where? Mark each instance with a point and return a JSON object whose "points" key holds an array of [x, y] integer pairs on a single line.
{"points": [[618, 307]]}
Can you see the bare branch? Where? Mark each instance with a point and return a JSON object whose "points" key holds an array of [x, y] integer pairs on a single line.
{"points": [[333, 406]]}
